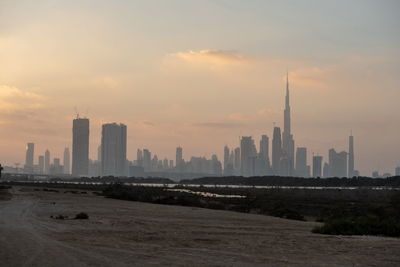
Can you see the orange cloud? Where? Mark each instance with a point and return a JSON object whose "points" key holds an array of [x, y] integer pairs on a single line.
{"points": [[209, 58], [15, 99]]}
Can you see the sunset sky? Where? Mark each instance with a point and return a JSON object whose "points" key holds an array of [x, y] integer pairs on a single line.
{"points": [[199, 74]]}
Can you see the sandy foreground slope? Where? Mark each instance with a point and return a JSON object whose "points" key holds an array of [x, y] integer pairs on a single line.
{"points": [[123, 233]]}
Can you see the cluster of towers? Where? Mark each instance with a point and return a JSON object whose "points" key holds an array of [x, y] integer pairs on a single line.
{"points": [[111, 153], [286, 159], [245, 160], [45, 165]]}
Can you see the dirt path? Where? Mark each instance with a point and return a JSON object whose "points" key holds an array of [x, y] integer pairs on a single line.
{"points": [[122, 233]]}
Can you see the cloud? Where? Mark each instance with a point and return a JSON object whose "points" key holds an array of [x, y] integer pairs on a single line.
{"points": [[13, 99], [214, 59]]}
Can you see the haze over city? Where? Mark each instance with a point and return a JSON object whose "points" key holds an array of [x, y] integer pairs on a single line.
{"points": [[199, 74]]}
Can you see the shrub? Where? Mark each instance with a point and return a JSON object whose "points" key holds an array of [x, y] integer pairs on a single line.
{"points": [[360, 226], [81, 216]]}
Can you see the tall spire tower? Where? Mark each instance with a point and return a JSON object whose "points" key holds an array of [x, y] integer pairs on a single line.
{"points": [[287, 162]]}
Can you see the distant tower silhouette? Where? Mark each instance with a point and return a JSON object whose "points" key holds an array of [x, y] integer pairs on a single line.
{"points": [[41, 164], [47, 162], [66, 165], [113, 149], [179, 158], [317, 166], [30, 151], [276, 151], [287, 137], [80, 146]]}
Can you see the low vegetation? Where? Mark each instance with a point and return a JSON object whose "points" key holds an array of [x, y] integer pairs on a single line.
{"points": [[358, 211], [81, 216], [343, 212], [369, 219]]}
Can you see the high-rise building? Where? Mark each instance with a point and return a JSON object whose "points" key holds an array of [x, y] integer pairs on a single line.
{"points": [[41, 164], [56, 168], [236, 161], [317, 166], [113, 150], [165, 164], [47, 162], [264, 149], [351, 172], [276, 151], [248, 155], [179, 158], [80, 147], [30, 151], [147, 160], [226, 157], [228, 161], [67, 165], [139, 157], [337, 163], [301, 162], [287, 138], [397, 171], [216, 166], [326, 170]]}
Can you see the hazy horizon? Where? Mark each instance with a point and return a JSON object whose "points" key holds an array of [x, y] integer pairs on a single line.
{"points": [[199, 74]]}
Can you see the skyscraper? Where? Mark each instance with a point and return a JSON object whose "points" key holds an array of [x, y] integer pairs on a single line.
{"points": [[248, 155], [337, 163], [47, 162], [146, 160], [226, 157], [179, 158], [264, 149], [30, 151], [301, 162], [80, 146], [67, 165], [326, 170], [228, 161], [139, 157], [351, 172], [41, 164], [317, 166], [113, 149], [287, 137], [276, 151], [56, 168], [236, 161]]}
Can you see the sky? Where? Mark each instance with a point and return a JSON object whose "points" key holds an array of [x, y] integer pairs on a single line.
{"points": [[199, 74]]}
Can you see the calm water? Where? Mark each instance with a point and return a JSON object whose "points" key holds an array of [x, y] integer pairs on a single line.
{"points": [[216, 186]]}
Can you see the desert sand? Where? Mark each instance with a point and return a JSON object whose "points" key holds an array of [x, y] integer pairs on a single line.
{"points": [[124, 233]]}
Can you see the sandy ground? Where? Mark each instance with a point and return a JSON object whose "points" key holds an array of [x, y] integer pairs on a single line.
{"points": [[123, 233]]}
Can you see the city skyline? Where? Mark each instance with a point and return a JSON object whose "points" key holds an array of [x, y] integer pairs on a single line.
{"points": [[244, 160], [203, 83]]}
